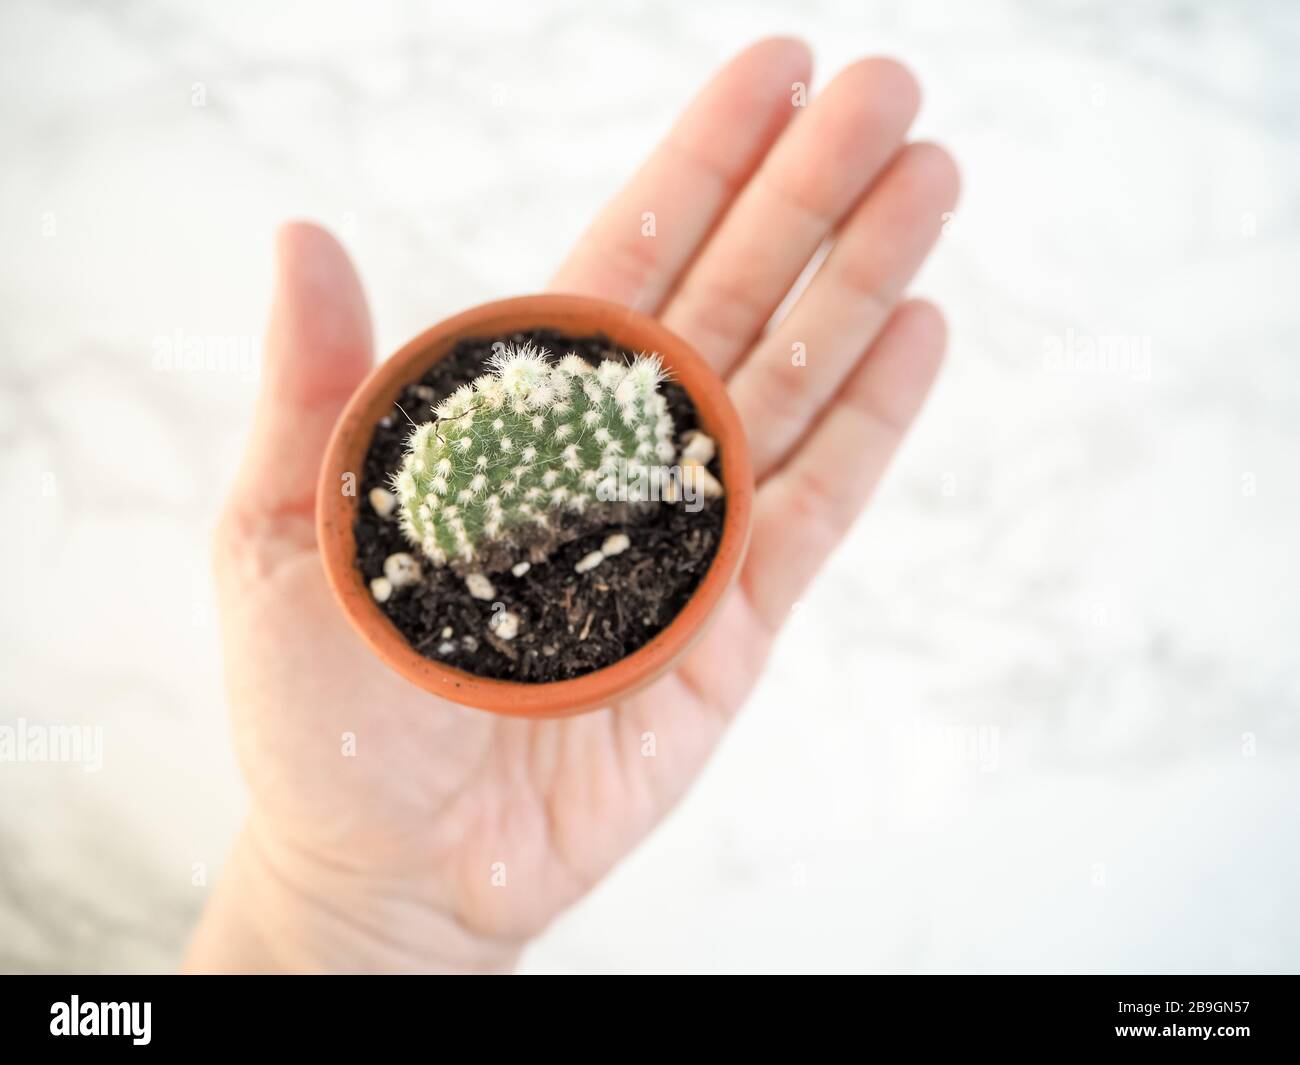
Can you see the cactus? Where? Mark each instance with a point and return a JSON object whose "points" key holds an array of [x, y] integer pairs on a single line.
{"points": [[528, 456]]}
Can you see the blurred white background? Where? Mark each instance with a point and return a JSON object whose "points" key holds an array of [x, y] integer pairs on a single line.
{"points": [[1087, 569]]}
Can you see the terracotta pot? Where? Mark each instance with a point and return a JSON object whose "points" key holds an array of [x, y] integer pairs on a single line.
{"points": [[575, 316]]}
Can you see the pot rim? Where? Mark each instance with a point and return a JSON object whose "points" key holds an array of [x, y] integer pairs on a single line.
{"points": [[345, 454]]}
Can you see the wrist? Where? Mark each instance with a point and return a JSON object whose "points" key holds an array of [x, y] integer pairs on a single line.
{"points": [[271, 911]]}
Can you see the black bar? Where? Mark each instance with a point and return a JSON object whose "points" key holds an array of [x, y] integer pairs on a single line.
{"points": [[334, 1015]]}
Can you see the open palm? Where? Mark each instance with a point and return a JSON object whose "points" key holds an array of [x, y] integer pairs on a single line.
{"points": [[390, 829]]}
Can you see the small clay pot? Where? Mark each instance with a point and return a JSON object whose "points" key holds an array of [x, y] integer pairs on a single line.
{"points": [[574, 316]]}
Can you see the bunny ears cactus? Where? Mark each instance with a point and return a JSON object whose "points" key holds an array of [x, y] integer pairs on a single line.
{"points": [[511, 454]]}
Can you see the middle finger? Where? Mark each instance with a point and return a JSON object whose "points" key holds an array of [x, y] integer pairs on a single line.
{"points": [[818, 169]]}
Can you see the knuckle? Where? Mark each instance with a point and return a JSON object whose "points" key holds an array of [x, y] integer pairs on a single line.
{"points": [[820, 511]]}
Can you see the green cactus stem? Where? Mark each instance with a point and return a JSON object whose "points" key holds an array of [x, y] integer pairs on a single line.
{"points": [[529, 455]]}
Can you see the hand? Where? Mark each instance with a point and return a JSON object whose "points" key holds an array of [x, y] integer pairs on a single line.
{"points": [[453, 836]]}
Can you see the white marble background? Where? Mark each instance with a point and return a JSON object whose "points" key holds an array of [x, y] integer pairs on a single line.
{"points": [[1095, 565]]}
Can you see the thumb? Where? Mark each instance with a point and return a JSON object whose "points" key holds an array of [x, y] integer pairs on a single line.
{"points": [[318, 348]]}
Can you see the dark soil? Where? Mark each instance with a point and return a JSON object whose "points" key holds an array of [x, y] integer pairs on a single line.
{"points": [[569, 623]]}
